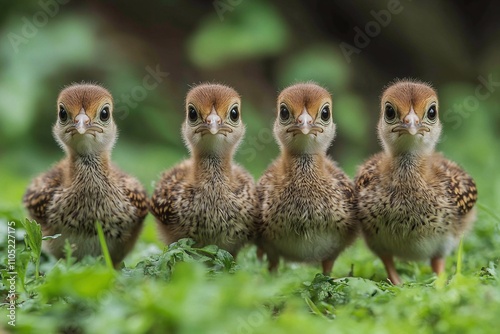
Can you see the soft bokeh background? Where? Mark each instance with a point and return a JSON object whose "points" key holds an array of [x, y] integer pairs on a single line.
{"points": [[258, 47]]}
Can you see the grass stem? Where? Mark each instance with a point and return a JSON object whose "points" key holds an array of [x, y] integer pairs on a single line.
{"points": [[104, 246]]}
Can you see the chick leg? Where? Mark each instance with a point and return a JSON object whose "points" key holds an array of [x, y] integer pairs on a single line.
{"points": [[391, 269], [260, 253], [437, 264], [274, 260], [327, 266]]}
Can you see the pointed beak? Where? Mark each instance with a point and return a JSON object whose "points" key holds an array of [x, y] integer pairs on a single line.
{"points": [[305, 125], [82, 122], [214, 122], [304, 122], [412, 122]]}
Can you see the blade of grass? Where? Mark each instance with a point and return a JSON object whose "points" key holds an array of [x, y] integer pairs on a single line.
{"points": [[488, 211], [68, 251], [33, 241], [460, 257], [314, 309], [104, 246]]}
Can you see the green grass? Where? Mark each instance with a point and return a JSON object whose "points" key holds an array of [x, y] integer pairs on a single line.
{"points": [[182, 289], [187, 290]]}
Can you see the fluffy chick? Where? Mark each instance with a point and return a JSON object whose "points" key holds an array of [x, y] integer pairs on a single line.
{"points": [[208, 197], [85, 187], [413, 203], [307, 202]]}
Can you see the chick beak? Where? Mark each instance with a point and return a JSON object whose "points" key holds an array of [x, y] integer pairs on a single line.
{"points": [[412, 122], [214, 122], [82, 122], [304, 122]]}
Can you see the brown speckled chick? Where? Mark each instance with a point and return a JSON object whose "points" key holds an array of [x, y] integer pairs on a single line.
{"points": [[307, 202], [208, 198], [85, 187], [413, 203]]}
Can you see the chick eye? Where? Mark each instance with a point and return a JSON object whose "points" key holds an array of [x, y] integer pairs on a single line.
{"points": [[63, 115], [234, 114], [432, 113], [104, 115], [390, 113], [192, 114], [325, 113], [284, 113]]}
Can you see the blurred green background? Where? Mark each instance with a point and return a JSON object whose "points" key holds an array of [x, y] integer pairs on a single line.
{"points": [[353, 48], [258, 47]]}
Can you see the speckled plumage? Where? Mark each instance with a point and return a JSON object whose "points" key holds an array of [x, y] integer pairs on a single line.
{"points": [[85, 187], [307, 202], [412, 202], [208, 197]]}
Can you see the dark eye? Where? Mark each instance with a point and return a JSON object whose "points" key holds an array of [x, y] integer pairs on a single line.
{"points": [[325, 113], [104, 115], [192, 114], [432, 113], [284, 113], [63, 115], [234, 114], [390, 113]]}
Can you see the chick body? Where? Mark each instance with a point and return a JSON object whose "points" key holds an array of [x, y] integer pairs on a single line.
{"points": [[413, 203], [85, 187], [307, 202], [208, 197]]}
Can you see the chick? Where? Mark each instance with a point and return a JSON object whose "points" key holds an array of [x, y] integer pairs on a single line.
{"points": [[307, 202], [413, 203], [208, 197], [84, 187]]}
